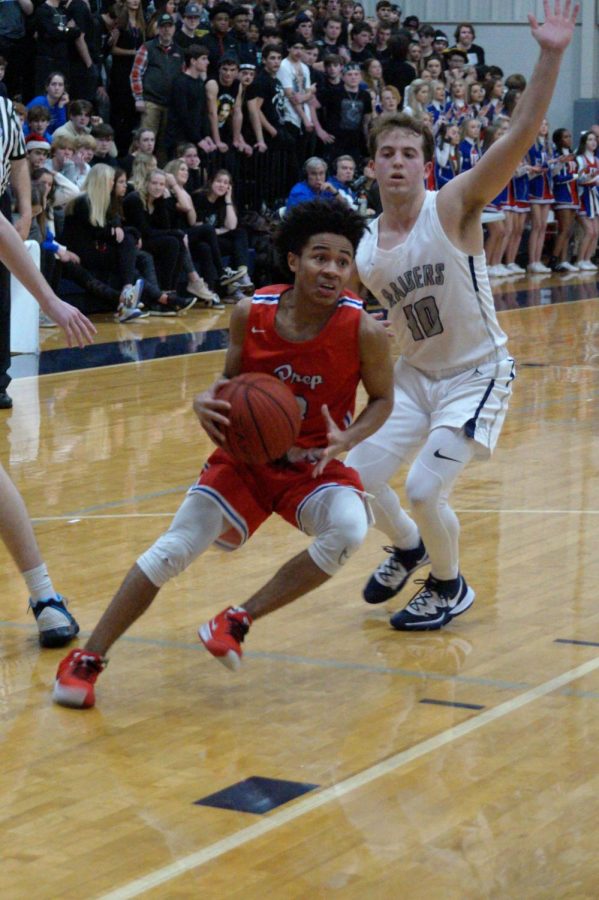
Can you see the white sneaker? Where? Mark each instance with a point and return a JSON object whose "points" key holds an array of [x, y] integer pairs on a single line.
{"points": [[200, 290], [515, 269], [586, 265], [503, 271], [538, 269], [568, 267], [492, 272]]}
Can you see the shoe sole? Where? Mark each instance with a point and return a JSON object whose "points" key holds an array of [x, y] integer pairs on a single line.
{"points": [[230, 660], [191, 304], [445, 617], [72, 697], [58, 637], [420, 565]]}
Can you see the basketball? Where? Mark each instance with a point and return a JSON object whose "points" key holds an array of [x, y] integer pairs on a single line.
{"points": [[265, 417]]}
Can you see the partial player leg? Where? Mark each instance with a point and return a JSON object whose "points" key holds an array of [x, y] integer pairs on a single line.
{"points": [[430, 481], [406, 550], [338, 519], [55, 623], [197, 524]]}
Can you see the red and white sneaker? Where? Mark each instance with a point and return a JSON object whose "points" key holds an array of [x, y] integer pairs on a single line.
{"points": [[223, 635], [75, 679]]}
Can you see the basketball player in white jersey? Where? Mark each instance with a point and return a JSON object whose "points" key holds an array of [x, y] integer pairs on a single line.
{"points": [[423, 259]]}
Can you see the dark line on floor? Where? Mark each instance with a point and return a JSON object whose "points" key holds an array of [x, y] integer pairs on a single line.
{"points": [[451, 703]]}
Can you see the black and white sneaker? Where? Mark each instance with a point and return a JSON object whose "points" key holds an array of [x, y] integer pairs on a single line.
{"points": [[433, 606], [389, 578], [230, 275]]}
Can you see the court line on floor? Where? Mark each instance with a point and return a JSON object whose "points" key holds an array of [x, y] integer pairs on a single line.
{"points": [[331, 664], [72, 517], [329, 795]]}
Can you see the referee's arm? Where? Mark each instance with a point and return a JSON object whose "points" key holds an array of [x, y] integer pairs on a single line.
{"points": [[21, 186]]}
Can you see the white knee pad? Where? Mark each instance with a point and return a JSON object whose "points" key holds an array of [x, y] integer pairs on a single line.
{"points": [[196, 526], [339, 519]]}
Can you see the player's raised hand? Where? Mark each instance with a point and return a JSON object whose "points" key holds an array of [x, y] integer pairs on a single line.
{"points": [[212, 413], [556, 31], [77, 328]]}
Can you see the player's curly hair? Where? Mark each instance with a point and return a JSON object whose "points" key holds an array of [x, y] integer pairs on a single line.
{"points": [[315, 217]]}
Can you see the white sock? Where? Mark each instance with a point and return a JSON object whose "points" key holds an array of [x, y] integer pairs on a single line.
{"points": [[39, 584]]}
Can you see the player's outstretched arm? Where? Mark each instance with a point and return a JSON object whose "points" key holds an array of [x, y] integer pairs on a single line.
{"points": [[77, 328], [478, 186], [376, 369], [212, 413]]}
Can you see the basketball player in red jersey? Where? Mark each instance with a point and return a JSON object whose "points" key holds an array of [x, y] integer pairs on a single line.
{"points": [[315, 336]]}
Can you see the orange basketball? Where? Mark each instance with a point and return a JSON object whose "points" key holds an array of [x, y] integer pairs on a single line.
{"points": [[265, 417]]}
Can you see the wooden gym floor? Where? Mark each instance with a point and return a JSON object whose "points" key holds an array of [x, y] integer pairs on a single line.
{"points": [[456, 764]]}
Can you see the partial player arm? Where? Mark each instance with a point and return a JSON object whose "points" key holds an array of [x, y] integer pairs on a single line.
{"points": [[211, 412], [377, 377], [77, 328], [472, 190]]}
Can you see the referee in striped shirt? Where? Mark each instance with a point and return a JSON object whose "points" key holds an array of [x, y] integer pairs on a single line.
{"points": [[14, 170]]}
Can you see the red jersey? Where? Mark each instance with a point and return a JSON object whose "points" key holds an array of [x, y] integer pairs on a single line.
{"points": [[325, 369]]}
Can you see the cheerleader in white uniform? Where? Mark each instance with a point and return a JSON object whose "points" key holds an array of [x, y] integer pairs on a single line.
{"points": [[423, 260], [588, 190]]}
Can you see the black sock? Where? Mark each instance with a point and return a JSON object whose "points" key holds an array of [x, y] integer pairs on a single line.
{"points": [[448, 588], [411, 557]]}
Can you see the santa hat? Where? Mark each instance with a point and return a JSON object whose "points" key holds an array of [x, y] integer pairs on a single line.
{"points": [[36, 142]]}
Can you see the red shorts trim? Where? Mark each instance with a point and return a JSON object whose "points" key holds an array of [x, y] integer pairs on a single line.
{"points": [[248, 495]]}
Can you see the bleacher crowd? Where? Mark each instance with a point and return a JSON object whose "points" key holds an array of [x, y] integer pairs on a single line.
{"points": [[163, 139]]}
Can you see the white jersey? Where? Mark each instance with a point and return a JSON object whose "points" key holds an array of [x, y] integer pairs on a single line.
{"points": [[439, 298]]}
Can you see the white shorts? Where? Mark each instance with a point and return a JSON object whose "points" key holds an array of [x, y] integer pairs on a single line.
{"points": [[475, 401]]}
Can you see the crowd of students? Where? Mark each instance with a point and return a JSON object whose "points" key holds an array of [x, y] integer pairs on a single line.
{"points": [[188, 117]]}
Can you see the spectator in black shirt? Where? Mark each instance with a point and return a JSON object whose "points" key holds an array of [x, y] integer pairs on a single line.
{"points": [[381, 49], [397, 71], [219, 41], [332, 41], [464, 40], [349, 111], [360, 46], [56, 31], [266, 100], [224, 104], [187, 111], [245, 50], [185, 35]]}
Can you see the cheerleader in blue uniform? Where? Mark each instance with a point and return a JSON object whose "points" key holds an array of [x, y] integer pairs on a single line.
{"points": [[564, 171], [540, 197], [469, 146], [588, 190], [448, 161], [516, 211], [457, 109], [437, 106], [475, 98], [493, 106], [496, 228]]}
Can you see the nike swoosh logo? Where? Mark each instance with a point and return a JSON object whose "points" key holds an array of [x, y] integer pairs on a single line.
{"points": [[258, 330], [440, 455]]}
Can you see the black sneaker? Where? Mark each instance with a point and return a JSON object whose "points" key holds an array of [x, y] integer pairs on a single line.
{"points": [[161, 309], [389, 578], [55, 623], [5, 400], [432, 607]]}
